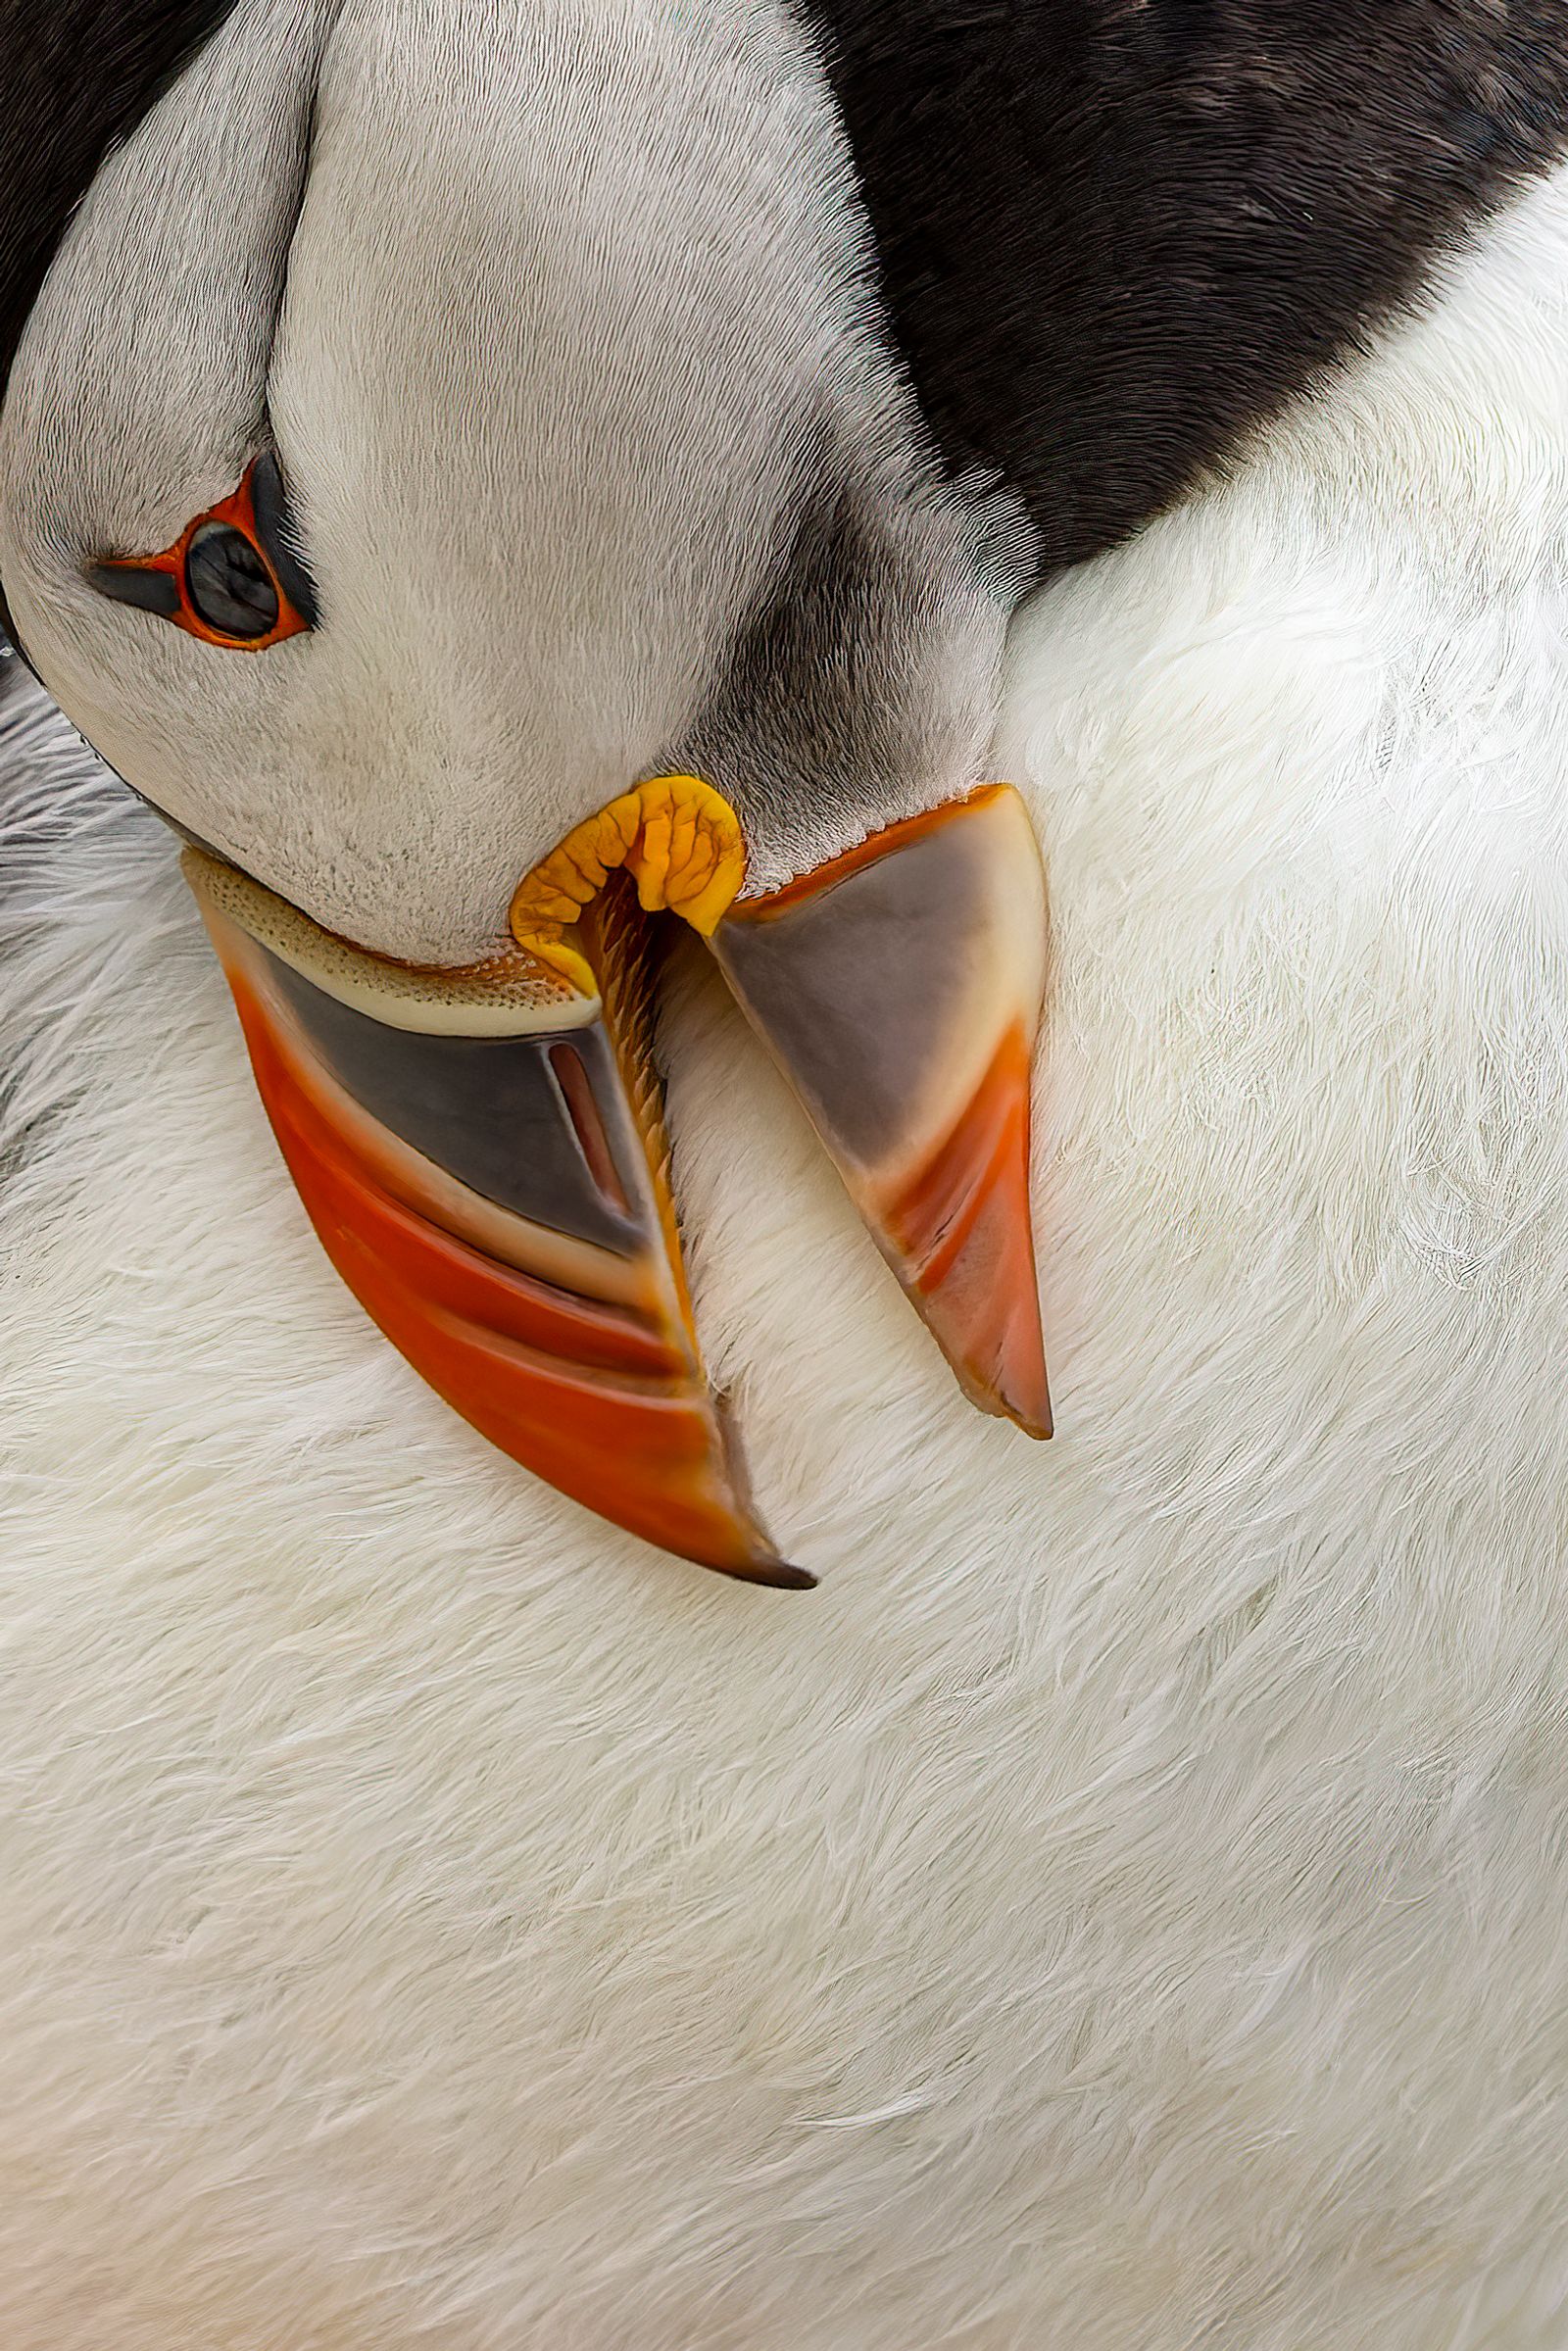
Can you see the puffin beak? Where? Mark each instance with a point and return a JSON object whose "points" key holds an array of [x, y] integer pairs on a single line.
{"points": [[483, 1159], [899, 988], [483, 1155]]}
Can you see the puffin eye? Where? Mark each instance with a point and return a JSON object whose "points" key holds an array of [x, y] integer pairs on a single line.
{"points": [[232, 578], [228, 584]]}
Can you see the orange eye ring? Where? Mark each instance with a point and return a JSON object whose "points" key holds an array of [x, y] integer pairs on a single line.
{"points": [[162, 584]]}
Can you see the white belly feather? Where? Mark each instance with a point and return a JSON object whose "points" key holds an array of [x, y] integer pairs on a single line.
{"points": [[1125, 1906]]}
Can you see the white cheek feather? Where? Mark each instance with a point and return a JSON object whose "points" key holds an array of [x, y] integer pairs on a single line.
{"points": [[1123, 1908]]}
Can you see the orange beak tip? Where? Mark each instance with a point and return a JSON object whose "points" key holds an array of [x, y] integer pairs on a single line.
{"points": [[1032, 1417]]}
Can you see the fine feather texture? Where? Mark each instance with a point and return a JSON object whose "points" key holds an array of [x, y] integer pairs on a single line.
{"points": [[1124, 1907], [1115, 235], [76, 76]]}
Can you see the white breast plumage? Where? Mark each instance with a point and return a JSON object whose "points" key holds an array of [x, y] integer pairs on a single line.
{"points": [[1119, 1908]]}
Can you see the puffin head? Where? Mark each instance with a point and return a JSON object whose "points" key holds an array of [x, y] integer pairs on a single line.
{"points": [[454, 470]]}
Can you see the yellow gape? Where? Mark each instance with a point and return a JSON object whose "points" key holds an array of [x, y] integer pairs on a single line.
{"points": [[675, 835]]}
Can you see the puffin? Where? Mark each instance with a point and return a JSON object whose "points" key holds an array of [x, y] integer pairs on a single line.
{"points": [[595, 461], [627, 544]]}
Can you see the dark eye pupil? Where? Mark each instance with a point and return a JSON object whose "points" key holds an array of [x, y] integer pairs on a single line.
{"points": [[228, 584]]}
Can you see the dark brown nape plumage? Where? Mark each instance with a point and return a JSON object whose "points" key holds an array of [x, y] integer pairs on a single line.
{"points": [[1117, 235]]}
